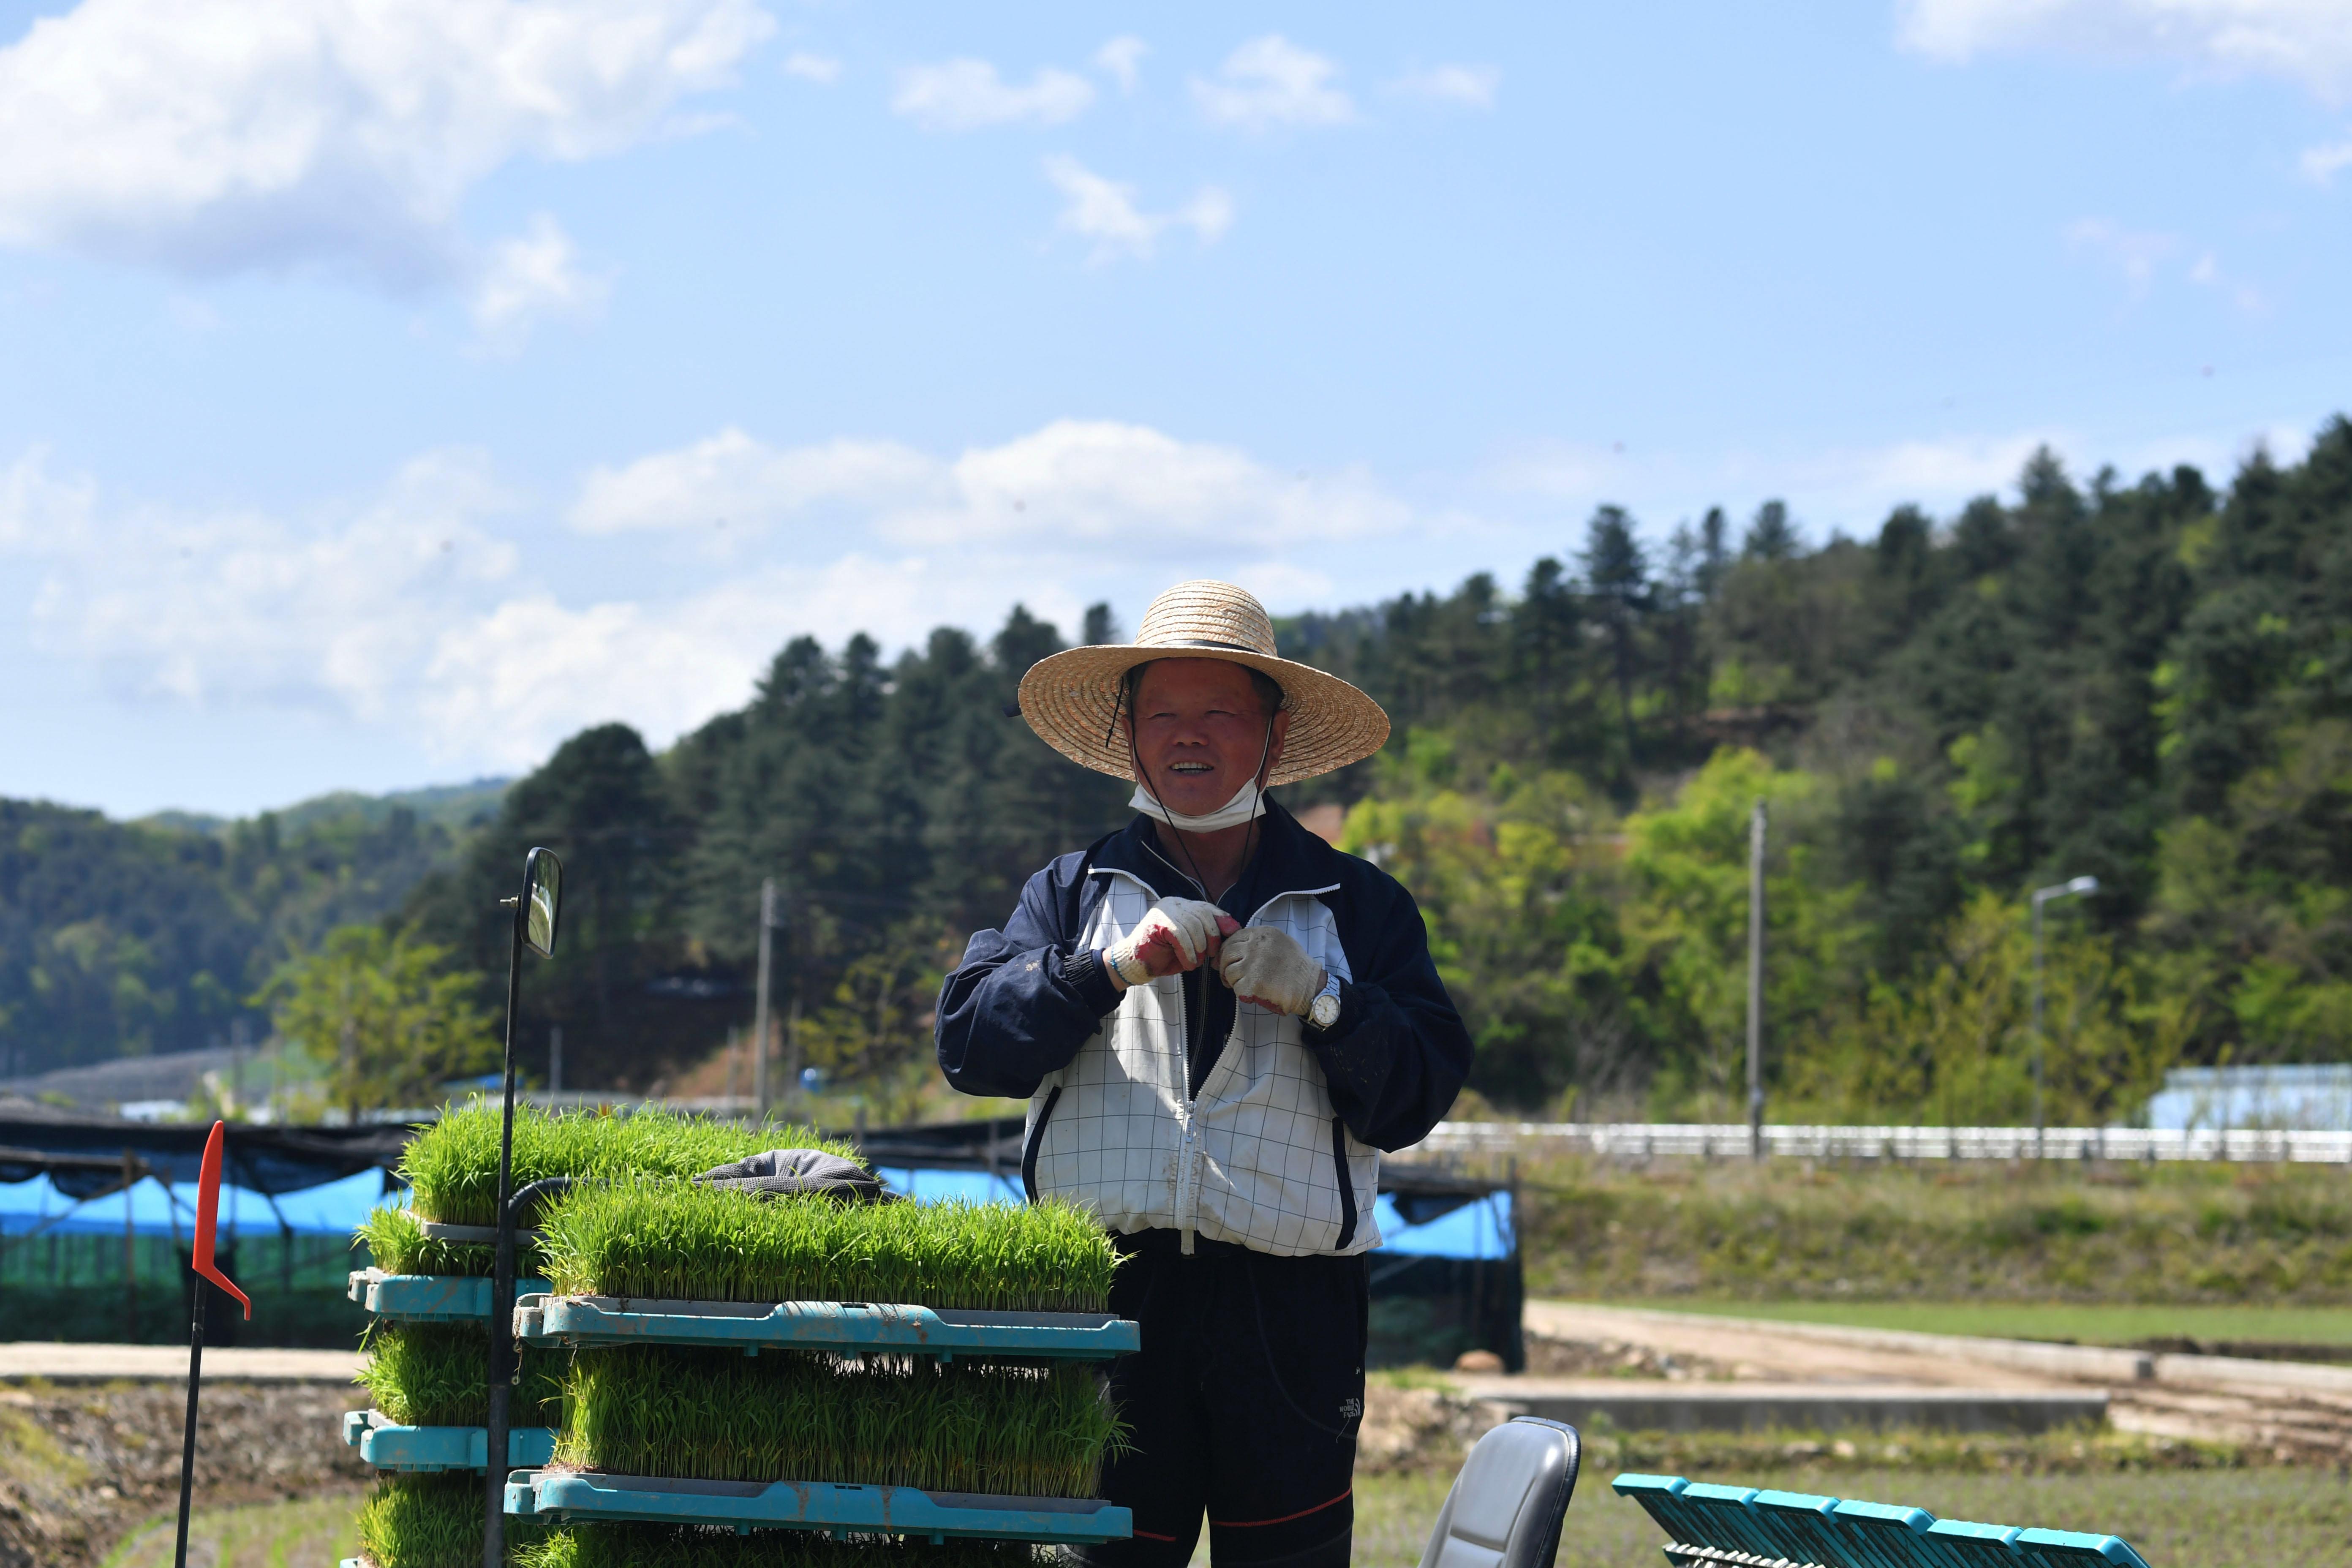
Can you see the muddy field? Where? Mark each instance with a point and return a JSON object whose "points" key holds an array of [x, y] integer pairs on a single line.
{"points": [[82, 1466]]}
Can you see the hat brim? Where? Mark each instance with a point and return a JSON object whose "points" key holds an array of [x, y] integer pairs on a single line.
{"points": [[1072, 697]]}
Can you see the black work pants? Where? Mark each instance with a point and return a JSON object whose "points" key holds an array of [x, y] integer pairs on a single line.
{"points": [[1242, 1406]]}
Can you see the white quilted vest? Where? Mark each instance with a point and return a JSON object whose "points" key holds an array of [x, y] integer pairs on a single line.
{"points": [[1259, 1159]]}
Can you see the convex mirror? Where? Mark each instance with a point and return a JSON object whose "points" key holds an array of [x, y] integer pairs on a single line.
{"points": [[542, 897]]}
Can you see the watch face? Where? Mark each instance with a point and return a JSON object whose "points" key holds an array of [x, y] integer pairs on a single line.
{"points": [[1325, 1012]]}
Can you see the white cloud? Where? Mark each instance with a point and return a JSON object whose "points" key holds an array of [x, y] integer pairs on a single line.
{"points": [[1120, 57], [236, 607], [39, 511], [408, 611], [2306, 41], [1091, 480], [822, 70], [1103, 211], [531, 277], [2320, 163], [1470, 87], [209, 136], [966, 95], [732, 478], [2134, 253], [1272, 81]]}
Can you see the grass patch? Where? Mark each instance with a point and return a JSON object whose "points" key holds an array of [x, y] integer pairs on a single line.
{"points": [[2168, 1234], [434, 1521], [662, 1546], [2071, 1322], [675, 1241], [453, 1165], [721, 1415], [437, 1375], [304, 1531]]}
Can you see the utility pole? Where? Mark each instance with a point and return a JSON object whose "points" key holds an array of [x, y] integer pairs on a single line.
{"points": [[2040, 897], [1756, 983], [759, 1012], [554, 1063]]}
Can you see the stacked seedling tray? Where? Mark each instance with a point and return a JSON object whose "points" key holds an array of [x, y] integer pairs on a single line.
{"points": [[429, 1291], [877, 1374]]}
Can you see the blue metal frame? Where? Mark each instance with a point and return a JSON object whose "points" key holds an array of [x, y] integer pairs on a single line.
{"points": [[575, 1498], [428, 1450], [846, 1327], [1707, 1521], [428, 1297]]}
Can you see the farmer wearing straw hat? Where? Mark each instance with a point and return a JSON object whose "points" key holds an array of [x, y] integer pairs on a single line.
{"points": [[1219, 1021]]}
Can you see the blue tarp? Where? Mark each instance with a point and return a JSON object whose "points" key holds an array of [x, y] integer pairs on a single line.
{"points": [[1481, 1227], [336, 1207]]}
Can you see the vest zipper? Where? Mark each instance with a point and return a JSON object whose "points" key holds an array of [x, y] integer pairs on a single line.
{"points": [[1188, 1176]]}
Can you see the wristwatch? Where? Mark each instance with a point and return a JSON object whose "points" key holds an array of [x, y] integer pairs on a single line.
{"points": [[1324, 1011]]}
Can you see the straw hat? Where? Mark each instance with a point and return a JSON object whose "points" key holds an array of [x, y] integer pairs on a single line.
{"points": [[1072, 697]]}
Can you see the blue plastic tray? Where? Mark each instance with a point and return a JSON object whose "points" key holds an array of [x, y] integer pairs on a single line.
{"points": [[428, 1297], [813, 1505], [388, 1447], [843, 1326]]}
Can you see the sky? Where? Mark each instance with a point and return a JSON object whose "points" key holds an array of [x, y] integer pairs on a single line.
{"points": [[387, 393]]}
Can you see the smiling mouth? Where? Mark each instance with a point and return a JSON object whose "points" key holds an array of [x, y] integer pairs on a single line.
{"points": [[1188, 767]]}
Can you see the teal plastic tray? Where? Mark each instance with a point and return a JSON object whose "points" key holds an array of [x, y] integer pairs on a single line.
{"points": [[849, 1327], [389, 1446], [567, 1497], [428, 1297]]}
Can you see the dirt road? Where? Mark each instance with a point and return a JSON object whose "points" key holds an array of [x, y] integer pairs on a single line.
{"points": [[2299, 1409]]}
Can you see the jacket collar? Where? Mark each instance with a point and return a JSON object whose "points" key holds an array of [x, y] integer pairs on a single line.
{"points": [[1288, 859]]}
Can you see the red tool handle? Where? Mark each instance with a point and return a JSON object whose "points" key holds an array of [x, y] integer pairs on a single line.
{"points": [[207, 1213]]}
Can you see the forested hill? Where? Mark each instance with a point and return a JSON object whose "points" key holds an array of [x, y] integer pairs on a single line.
{"points": [[129, 938], [2145, 681]]}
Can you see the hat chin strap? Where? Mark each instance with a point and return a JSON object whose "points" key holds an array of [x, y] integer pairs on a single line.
{"points": [[1247, 806]]}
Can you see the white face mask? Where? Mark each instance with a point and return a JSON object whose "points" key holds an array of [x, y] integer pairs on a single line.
{"points": [[1246, 805]]}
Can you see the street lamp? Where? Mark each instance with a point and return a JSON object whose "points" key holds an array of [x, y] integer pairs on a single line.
{"points": [[2041, 896]]}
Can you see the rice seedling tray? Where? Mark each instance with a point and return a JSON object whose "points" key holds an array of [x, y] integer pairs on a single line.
{"points": [[428, 1297], [848, 1327], [388, 1446], [573, 1497]]}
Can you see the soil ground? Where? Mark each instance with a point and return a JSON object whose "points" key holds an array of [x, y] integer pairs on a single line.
{"points": [[82, 1466]]}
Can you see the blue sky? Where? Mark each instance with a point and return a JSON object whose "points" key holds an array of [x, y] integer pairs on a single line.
{"points": [[387, 395]]}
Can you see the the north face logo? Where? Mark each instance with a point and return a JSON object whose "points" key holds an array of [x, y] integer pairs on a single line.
{"points": [[1350, 1408]]}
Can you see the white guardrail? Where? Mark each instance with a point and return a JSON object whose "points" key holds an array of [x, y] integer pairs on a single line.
{"points": [[1728, 1140]]}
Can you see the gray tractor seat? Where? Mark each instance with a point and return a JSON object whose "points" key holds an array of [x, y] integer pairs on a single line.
{"points": [[1508, 1504]]}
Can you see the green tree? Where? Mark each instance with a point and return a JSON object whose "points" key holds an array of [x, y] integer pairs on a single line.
{"points": [[1684, 921], [386, 1017]]}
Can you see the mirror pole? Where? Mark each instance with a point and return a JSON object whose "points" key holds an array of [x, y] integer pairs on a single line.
{"points": [[503, 1275]]}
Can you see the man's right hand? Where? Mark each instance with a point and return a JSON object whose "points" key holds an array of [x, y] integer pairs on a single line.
{"points": [[1175, 935]]}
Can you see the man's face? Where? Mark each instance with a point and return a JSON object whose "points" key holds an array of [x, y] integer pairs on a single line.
{"points": [[1199, 730]]}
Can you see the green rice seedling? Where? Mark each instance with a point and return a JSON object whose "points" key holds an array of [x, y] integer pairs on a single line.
{"points": [[1024, 1430], [453, 1165], [397, 1243], [669, 1546], [437, 1375], [676, 1241], [434, 1521]]}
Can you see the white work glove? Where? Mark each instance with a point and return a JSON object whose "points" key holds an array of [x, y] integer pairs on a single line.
{"points": [[1267, 966], [1176, 935]]}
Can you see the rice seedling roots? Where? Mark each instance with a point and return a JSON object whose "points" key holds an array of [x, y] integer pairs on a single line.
{"points": [[1009, 1429]]}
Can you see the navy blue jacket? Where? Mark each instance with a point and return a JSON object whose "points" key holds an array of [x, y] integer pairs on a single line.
{"points": [[1025, 998]]}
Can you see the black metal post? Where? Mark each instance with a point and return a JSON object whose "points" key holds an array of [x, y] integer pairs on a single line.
{"points": [[503, 1361], [188, 1439]]}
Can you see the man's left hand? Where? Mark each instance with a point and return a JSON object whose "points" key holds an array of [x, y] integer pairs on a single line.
{"points": [[1268, 967]]}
